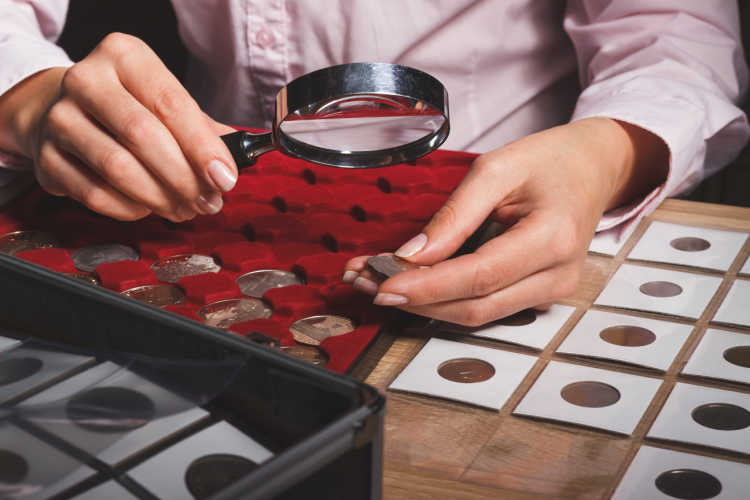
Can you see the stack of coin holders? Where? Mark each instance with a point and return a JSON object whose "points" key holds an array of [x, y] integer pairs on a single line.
{"points": [[284, 214]]}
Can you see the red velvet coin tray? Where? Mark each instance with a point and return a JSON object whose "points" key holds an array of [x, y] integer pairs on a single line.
{"points": [[284, 213]]}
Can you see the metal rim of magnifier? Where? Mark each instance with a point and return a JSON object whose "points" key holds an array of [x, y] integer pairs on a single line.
{"points": [[377, 79]]}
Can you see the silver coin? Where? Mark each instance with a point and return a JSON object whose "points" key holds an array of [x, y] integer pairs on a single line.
{"points": [[315, 329], [157, 295], [224, 313], [88, 258], [20, 241], [386, 266], [255, 283], [171, 269]]}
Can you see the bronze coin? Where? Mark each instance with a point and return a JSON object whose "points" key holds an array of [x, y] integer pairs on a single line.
{"points": [[223, 313], [255, 283], [315, 329], [307, 353], [110, 409], [13, 467], [210, 474], [660, 289], [688, 484], [172, 269], [85, 277], [385, 266], [722, 416], [521, 318], [15, 369], [20, 241], [738, 355], [627, 335], [690, 244], [466, 370], [590, 394], [157, 295]]}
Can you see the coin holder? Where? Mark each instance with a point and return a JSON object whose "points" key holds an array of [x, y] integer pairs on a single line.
{"points": [[32, 469], [705, 416], [244, 256], [7, 343], [295, 301], [447, 178], [189, 311], [746, 267], [659, 290], [163, 244], [713, 357], [344, 195], [56, 259], [207, 241], [344, 350], [119, 276], [164, 475], [261, 189], [734, 309], [629, 339], [423, 206], [421, 374], [529, 327], [277, 228], [305, 199], [30, 366], [688, 246], [605, 399], [346, 235], [608, 242], [270, 327], [209, 287], [286, 254], [235, 216], [111, 490], [321, 269], [109, 388], [406, 179], [383, 208], [655, 471]]}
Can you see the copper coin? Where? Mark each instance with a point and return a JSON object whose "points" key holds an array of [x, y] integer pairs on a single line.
{"points": [[627, 335], [738, 355], [255, 283], [590, 394], [13, 467], [688, 484], [88, 258], [223, 313], [210, 474], [690, 244], [385, 266], [315, 329], [660, 289], [110, 409], [20, 241], [307, 353], [521, 318], [15, 369], [173, 268], [722, 416], [85, 277], [466, 370], [157, 295]]}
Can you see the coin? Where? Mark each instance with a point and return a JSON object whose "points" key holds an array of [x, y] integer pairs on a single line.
{"points": [[466, 370], [20, 241], [255, 283], [85, 277], [385, 266], [15, 369], [210, 474], [171, 269], [308, 353], [660, 289], [722, 416], [110, 409], [88, 258], [13, 468], [590, 394], [738, 355], [157, 295], [627, 335], [688, 483], [315, 329], [690, 244], [224, 313]]}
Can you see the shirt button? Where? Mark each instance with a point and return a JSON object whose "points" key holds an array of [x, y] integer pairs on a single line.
{"points": [[264, 38]]}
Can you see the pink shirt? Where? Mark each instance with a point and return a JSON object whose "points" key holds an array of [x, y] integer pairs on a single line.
{"points": [[511, 67]]}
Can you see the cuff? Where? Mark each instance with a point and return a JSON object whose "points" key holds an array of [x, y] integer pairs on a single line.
{"points": [[22, 57]]}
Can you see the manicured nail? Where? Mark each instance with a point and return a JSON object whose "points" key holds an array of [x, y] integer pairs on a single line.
{"points": [[390, 299], [221, 175], [412, 246], [349, 276], [365, 285], [185, 212], [209, 205]]}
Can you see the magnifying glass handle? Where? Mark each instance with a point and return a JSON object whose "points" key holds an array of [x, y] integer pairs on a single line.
{"points": [[246, 147]]}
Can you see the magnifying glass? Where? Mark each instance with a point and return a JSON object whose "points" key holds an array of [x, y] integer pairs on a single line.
{"points": [[358, 115]]}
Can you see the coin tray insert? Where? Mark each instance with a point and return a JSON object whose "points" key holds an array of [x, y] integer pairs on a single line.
{"points": [[734, 309], [519, 329], [721, 355]]}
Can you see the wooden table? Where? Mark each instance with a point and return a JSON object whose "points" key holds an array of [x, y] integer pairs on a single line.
{"points": [[440, 449]]}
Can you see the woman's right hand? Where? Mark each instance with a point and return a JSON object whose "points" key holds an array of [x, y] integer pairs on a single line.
{"points": [[119, 133]]}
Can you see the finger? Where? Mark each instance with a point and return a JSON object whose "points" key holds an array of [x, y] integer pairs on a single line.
{"points": [[78, 182], [354, 267]]}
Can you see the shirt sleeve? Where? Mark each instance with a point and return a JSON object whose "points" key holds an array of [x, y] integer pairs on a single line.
{"points": [[672, 67]]}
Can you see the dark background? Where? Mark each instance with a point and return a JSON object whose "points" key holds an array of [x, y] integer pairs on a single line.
{"points": [[154, 22]]}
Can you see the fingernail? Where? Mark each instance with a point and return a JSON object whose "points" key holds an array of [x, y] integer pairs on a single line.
{"points": [[185, 213], [389, 299], [349, 276], [365, 285], [221, 175], [412, 246], [209, 205]]}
